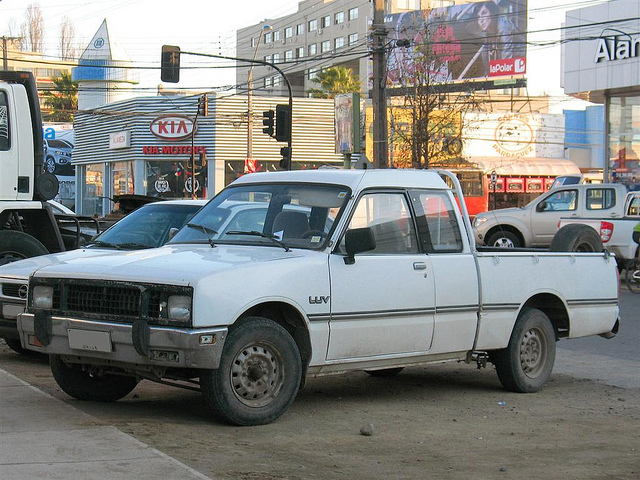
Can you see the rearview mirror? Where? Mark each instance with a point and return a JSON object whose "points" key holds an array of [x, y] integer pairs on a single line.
{"points": [[542, 206], [358, 240], [172, 233]]}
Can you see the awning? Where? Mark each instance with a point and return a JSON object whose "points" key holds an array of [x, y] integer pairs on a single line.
{"points": [[528, 166]]}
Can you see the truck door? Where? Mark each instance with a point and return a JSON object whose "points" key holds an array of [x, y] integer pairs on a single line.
{"points": [[547, 213], [8, 160], [454, 270], [384, 303]]}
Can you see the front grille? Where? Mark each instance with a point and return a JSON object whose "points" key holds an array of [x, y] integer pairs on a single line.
{"points": [[120, 302], [107, 300], [11, 290]]}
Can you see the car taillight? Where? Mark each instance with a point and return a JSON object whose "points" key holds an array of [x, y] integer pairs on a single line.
{"points": [[606, 230]]}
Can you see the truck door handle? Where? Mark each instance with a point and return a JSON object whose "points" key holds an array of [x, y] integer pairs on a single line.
{"points": [[419, 266]]}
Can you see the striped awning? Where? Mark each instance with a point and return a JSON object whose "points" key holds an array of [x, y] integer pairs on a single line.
{"points": [[528, 166]]}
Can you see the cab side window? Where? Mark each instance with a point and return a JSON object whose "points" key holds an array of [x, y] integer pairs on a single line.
{"points": [[563, 201], [438, 226], [601, 198], [389, 216], [4, 122]]}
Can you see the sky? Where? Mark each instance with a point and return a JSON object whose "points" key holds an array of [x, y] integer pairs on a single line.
{"points": [[141, 27]]}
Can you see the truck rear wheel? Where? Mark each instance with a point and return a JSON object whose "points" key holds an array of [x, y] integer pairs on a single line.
{"points": [[259, 374], [504, 239], [18, 245], [526, 364], [87, 385], [576, 237]]}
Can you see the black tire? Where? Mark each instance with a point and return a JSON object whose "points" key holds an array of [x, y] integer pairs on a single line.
{"points": [[526, 364], [504, 239], [15, 345], [386, 372], [576, 237], [259, 374], [81, 384], [18, 245]]}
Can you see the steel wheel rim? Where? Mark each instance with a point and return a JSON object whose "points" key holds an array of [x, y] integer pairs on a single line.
{"points": [[503, 243], [257, 374], [533, 352]]}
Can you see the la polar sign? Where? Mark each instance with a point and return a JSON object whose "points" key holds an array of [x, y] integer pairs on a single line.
{"points": [[172, 127]]}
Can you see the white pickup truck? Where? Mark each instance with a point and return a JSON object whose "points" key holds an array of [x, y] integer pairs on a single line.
{"points": [[535, 224], [616, 233], [372, 270]]}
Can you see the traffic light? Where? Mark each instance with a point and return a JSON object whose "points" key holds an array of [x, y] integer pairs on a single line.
{"points": [[170, 64], [283, 123], [285, 163], [268, 122]]}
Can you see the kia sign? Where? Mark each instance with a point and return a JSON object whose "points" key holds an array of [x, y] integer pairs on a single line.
{"points": [[172, 127], [458, 43]]}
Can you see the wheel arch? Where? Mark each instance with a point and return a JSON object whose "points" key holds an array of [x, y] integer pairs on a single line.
{"points": [[554, 308], [288, 317]]}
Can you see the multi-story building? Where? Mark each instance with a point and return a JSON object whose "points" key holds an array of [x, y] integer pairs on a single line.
{"points": [[321, 34]]}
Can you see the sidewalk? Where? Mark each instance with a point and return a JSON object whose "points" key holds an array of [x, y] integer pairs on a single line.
{"points": [[43, 437]]}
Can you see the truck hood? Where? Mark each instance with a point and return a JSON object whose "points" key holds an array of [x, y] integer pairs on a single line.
{"points": [[503, 213], [22, 269], [171, 264]]}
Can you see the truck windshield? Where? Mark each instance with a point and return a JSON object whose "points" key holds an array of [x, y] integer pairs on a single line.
{"points": [[296, 215]]}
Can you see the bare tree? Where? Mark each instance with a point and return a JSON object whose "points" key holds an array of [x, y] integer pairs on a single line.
{"points": [[68, 49], [32, 29]]}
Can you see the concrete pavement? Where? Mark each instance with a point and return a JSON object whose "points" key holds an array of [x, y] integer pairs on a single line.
{"points": [[42, 437]]}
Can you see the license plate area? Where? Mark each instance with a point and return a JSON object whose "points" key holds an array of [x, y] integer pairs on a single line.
{"points": [[89, 340]]}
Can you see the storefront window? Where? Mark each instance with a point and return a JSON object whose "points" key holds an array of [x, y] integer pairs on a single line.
{"points": [[171, 179], [624, 140], [122, 177], [93, 191]]}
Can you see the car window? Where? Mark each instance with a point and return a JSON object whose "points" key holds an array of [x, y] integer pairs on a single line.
{"points": [[565, 200], [601, 198], [389, 217], [438, 226], [149, 225]]}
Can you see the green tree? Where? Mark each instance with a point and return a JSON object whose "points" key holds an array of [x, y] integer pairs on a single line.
{"points": [[62, 100], [334, 81]]}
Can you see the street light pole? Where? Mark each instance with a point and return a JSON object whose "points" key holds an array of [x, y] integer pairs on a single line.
{"points": [[250, 99]]}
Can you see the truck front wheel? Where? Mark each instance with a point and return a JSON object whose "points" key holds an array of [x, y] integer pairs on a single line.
{"points": [[526, 364], [18, 245], [504, 239], [85, 384], [259, 374]]}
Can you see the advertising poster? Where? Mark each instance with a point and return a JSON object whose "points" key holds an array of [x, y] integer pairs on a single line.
{"points": [[59, 140], [461, 42]]}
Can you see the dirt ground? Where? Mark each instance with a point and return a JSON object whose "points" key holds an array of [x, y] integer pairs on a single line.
{"points": [[448, 421]]}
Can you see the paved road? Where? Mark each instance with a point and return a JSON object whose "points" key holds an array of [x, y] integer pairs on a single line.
{"points": [[615, 361]]}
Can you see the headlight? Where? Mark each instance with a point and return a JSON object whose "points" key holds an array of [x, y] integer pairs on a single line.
{"points": [[479, 221], [42, 297], [179, 307]]}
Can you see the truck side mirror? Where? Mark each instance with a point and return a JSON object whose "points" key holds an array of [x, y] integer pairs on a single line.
{"points": [[172, 233], [542, 206], [358, 240]]}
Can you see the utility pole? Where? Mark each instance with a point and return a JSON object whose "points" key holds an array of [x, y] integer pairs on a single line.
{"points": [[249, 161], [380, 136]]}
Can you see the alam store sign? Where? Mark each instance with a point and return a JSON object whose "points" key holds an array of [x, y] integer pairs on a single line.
{"points": [[172, 128]]}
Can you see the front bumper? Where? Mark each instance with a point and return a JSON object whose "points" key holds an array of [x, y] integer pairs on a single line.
{"points": [[137, 344]]}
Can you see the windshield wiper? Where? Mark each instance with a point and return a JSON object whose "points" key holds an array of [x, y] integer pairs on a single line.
{"points": [[206, 230], [100, 243], [135, 246], [255, 233]]}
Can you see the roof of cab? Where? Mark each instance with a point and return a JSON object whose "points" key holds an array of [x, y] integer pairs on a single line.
{"points": [[354, 179]]}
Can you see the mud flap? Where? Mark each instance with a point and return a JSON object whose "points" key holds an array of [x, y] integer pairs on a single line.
{"points": [[140, 336], [42, 327]]}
